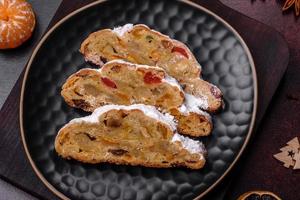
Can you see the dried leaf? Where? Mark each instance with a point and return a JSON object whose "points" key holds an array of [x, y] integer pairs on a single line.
{"points": [[297, 7], [288, 4]]}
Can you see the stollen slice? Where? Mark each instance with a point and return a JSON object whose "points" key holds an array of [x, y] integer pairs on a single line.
{"points": [[129, 135]]}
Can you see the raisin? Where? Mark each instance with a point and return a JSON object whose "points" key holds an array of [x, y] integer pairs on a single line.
{"points": [[216, 92], [103, 59], [105, 122], [78, 93], [181, 51], [114, 123], [155, 91], [183, 86], [123, 115], [115, 51], [80, 103], [177, 164], [108, 82], [92, 138], [191, 161], [117, 152], [150, 78]]}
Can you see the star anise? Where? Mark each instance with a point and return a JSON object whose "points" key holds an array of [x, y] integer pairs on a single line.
{"points": [[290, 3]]}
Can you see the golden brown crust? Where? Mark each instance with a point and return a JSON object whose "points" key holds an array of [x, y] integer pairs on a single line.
{"points": [[193, 124], [86, 90], [148, 143], [207, 90], [160, 50]]}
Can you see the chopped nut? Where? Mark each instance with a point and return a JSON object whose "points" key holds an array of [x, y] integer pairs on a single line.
{"points": [[92, 138], [103, 59], [116, 68], [80, 103], [117, 152], [114, 122], [167, 44]]}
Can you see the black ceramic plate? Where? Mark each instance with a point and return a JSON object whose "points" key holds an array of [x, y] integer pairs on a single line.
{"points": [[226, 62]]}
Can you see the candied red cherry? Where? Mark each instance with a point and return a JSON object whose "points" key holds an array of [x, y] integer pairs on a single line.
{"points": [[108, 82], [151, 78], [181, 51]]}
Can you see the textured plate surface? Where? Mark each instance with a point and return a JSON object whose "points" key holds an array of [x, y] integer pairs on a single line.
{"points": [[225, 60]]}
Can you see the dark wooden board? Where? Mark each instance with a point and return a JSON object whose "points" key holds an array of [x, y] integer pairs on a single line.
{"points": [[270, 61], [281, 121]]}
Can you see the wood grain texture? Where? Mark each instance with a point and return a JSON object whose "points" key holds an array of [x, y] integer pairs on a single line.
{"points": [[270, 63], [281, 122]]}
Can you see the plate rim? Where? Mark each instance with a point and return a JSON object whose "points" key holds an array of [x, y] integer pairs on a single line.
{"points": [[61, 21]]}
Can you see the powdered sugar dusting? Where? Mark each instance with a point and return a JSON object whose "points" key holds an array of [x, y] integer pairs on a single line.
{"points": [[185, 111], [133, 64], [121, 30], [193, 146], [150, 111], [193, 104], [92, 69], [193, 101], [172, 81]]}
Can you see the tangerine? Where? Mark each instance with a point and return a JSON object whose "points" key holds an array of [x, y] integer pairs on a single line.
{"points": [[17, 22]]}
